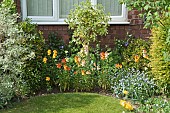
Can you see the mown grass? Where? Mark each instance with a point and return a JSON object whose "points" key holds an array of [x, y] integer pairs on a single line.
{"points": [[68, 103]]}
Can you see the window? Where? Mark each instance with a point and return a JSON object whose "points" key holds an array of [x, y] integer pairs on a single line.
{"points": [[55, 11]]}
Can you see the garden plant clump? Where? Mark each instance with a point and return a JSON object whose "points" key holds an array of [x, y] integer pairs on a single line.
{"points": [[134, 70], [137, 83]]}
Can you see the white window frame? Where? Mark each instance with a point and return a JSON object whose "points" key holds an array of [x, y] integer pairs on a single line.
{"points": [[52, 20]]}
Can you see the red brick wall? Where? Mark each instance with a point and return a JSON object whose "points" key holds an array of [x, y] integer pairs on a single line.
{"points": [[115, 31]]}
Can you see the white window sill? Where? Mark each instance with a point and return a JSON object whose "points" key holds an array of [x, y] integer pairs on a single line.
{"points": [[63, 23]]}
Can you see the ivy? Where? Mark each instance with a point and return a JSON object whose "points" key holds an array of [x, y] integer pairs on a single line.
{"points": [[151, 10]]}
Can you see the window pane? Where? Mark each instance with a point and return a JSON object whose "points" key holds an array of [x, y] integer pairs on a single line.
{"points": [[111, 6], [66, 6], [40, 7]]}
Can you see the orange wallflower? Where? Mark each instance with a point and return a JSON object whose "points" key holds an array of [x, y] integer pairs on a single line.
{"points": [[118, 65], [58, 65], [83, 72], [47, 78], [102, 55], [66, 68], [136, 58], [75, 72], [49, 52], [45, 60], [63, 60]]}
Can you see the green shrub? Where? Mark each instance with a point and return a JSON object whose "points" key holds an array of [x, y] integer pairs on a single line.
{"points": [[33, 70], [14, 53], [137, 83], [160, 53], [21, 50]]}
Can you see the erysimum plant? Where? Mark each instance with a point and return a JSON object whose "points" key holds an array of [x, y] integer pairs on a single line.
{"points": [[132, 52], [87, 22]]}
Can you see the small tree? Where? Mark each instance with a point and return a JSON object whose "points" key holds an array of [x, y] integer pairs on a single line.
{"points": [[87, 22]]}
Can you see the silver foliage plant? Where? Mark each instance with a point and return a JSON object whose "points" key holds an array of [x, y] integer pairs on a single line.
{"points": [[14, 52]]}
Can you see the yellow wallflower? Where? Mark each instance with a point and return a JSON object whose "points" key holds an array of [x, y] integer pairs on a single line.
{"points": [[55, 51], [125, 92], [49, 52], [45, 60], [54, 55], [128, 106], [122, 103], [47, 78]]}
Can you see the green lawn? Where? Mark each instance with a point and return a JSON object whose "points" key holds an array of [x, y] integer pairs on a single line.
{"points": [[68, 103]]}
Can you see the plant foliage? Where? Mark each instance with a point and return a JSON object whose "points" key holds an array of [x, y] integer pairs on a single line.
{"points": [[88, 21], [151, 10], [160, 54]]}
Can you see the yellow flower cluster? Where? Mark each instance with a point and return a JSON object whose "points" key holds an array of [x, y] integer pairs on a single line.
{"points": [[54, 53], [45, 60], [125, 92], [49, 52], [126, 105]]}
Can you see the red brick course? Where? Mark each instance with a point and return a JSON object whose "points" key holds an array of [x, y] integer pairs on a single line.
{"points": [[114, 31]]}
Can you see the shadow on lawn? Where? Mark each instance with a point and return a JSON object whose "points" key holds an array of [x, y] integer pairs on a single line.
{"points": [[55, 103]]}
